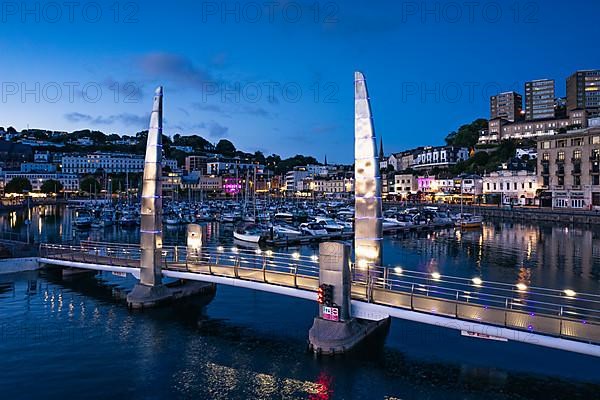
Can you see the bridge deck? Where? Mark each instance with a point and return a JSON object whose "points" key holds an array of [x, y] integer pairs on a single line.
{"points": [[536, 310]]}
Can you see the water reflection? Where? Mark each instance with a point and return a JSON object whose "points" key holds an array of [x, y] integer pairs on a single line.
{"points": [[536, 255], [233, 349]]}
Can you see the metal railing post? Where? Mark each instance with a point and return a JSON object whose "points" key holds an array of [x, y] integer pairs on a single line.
{"points": [[412, 294], [295, 275], [456, 305], [560, 330], [385, 278]]}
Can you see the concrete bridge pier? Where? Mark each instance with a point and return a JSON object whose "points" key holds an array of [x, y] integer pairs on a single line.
{"points": [[334, 331]]}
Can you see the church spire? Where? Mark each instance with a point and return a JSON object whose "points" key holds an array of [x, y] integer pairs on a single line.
{"points": [[325, 159], [381, 156]]}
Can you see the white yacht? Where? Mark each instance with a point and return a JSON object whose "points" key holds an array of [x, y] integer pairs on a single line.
{"points": [[313, 229]]}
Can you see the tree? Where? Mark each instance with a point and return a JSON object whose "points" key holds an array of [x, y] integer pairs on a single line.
{"points": [[467, 135], [259, 157], [225, 147], [18, 185], [89, 185], [11, 130], [51, 186]]}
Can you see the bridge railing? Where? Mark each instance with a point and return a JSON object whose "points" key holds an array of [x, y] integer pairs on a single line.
{"points": [[294, 270], [532, 309]]}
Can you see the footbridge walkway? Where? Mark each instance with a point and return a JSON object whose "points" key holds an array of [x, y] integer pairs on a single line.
{"points": [[558, 319]]}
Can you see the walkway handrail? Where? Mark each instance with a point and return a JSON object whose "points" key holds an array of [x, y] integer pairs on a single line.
{"points": [[545, 310]]}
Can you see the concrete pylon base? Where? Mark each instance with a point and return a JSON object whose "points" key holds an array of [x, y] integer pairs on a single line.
{"points": [[330, 337], [143, 296]]}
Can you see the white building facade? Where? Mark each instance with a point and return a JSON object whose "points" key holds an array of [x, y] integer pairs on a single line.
{"points": [[108, 162], [513, 187], [440, 157], [70, 182]]}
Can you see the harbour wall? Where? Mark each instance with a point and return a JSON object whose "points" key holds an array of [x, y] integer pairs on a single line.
{"points": [[532, 214], [13, 265]]}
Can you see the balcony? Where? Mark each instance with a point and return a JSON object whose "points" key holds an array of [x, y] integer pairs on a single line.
{"points": [[560, 161]]}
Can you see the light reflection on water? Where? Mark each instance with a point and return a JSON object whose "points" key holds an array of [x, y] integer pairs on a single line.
{"points": [[244, 344]]}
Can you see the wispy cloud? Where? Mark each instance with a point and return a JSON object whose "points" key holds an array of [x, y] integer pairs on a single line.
{"points": [[230, 110], [175, 67], [213, 129], [124, 118]]}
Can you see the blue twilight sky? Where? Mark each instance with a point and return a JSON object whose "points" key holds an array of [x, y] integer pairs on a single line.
{"points": [[277, 76]]}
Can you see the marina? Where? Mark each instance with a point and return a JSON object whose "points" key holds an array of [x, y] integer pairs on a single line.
{"points": [[300, 200]]}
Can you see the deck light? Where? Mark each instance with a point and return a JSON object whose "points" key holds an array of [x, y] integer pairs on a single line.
{"points": [[234, 249], [477, 281], [569, 293], [296, 256], [398, 270], [258, 251], [220, 249], [436, 276], [269, 253], [521, 287]]}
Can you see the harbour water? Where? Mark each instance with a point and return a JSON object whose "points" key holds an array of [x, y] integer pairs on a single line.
{"points": [[76, 338]]}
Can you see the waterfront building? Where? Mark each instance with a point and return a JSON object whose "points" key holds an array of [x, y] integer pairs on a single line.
{"points": [[384, 184], [202, 183], [501, 129], [70, 182], [443, 185], [511, 187], [38, 167], [196, 163], [220, 166], [403, 160], [583, 92], [507, 105], [337, 185], [539, 99], [383, 163], [569, 168], [468, 185], [294, 180], [439, 157], [426, 184], [171, 182], [402, 185], [108, 162]]}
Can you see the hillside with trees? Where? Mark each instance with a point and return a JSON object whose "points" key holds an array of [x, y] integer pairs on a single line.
{"points": [[467, 135]]}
